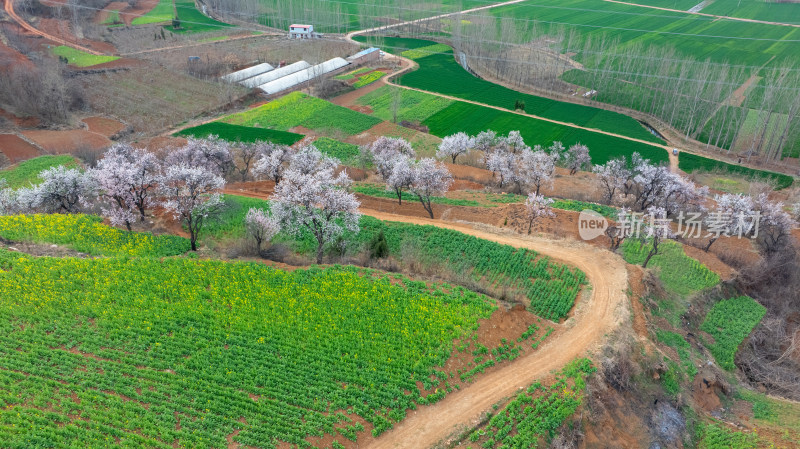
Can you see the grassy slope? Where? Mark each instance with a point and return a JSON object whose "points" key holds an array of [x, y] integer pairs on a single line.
{"points": [[27, 172], [80, 58]]}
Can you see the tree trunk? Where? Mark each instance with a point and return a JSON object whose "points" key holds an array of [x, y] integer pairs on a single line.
{"points": [[454, 158], [530, 226], [653, 252], [426, 205], [710, 242], [399, 193], [319, 252]]}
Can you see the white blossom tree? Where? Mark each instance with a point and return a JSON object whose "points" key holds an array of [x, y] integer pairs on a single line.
{"points": [[272, 162], [261, 226], [401, 177], [501, 164], [126, 178], [514, 142], [8, 199], [535, 168], [578, 158], [246, 154], [431, 179], [733, 215], [612, 176], [537, 206], [211, 153], [657, 229], [384, 150], [485, 141], [192, 195], [455, 145], [311, 198], [774, 227], [557, 151], [62, 190]]}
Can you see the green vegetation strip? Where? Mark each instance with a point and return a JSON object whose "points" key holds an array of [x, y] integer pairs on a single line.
{"points": [[368, 79], [536, 414], [137, 345], [717, 436], [680, 273], [691, 163], [347, 153], [298, 109], [80, 58], [602, 209], [27, 172], [551, 287], [236, 133], [351, 75], [162, 12], [409, 104], [730, 321], [88, 234]]}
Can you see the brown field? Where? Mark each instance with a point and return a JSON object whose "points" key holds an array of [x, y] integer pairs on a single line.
{"points": [[16, 149], [104, 126], [63, 142]]}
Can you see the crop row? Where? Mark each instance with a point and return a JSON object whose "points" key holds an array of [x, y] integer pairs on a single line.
{"points": [[730, 321], [237, 133], [680, 273], [298, 109], [88, 234], [152, 352]]}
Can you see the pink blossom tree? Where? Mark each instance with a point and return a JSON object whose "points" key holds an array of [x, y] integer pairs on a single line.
{"points": [[732, 215], [126, 178], [537, 206], [431, 179], [272, 161], [246, 154], [311, 198], [261, 226], [455, 145], [401, 177], [192, 195]]}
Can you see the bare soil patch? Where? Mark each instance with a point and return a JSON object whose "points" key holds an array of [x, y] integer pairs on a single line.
{"points": [[61, 142], [464, 184], [62, 29], [22, 122], [16, 149], [103, 125], [637, 290], [12, 58], [103, 15]]}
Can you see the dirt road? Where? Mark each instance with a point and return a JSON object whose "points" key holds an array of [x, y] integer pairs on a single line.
{"points": [[594, 318], [9, 8], [737, 19]]}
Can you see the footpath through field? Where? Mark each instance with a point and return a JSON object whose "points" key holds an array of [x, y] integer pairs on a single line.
{"points": [[9, 8]]}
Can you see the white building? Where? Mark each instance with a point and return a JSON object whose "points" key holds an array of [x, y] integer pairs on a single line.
{"points": [[301, 31]]}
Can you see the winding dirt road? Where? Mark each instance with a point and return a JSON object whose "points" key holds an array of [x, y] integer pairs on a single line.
{"points": [[596, 315], [9, 9]]}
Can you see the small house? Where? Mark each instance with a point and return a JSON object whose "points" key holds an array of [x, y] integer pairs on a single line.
{"points": [[301, 31]]}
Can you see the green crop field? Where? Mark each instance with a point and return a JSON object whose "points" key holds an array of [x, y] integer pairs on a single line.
{"points": [[163, 12], [691, 163], [719, 436], [298, 109], [552, 288], [438, 72], [730, 321], [412, 105], [192, 20], [368, 79], [537, 413], [236, 133], [80, 58], [148, 351], [351, 75], [680, 273], [27, 172], [472, 119], [88, 234], [345, 152]]}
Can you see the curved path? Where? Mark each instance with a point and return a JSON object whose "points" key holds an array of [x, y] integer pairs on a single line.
{"points": [[9, 8], [596, 315]]}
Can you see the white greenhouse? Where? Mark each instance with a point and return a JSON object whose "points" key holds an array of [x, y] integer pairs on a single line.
{"points": [[275, 74], [249, 72], [287, 82]]}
